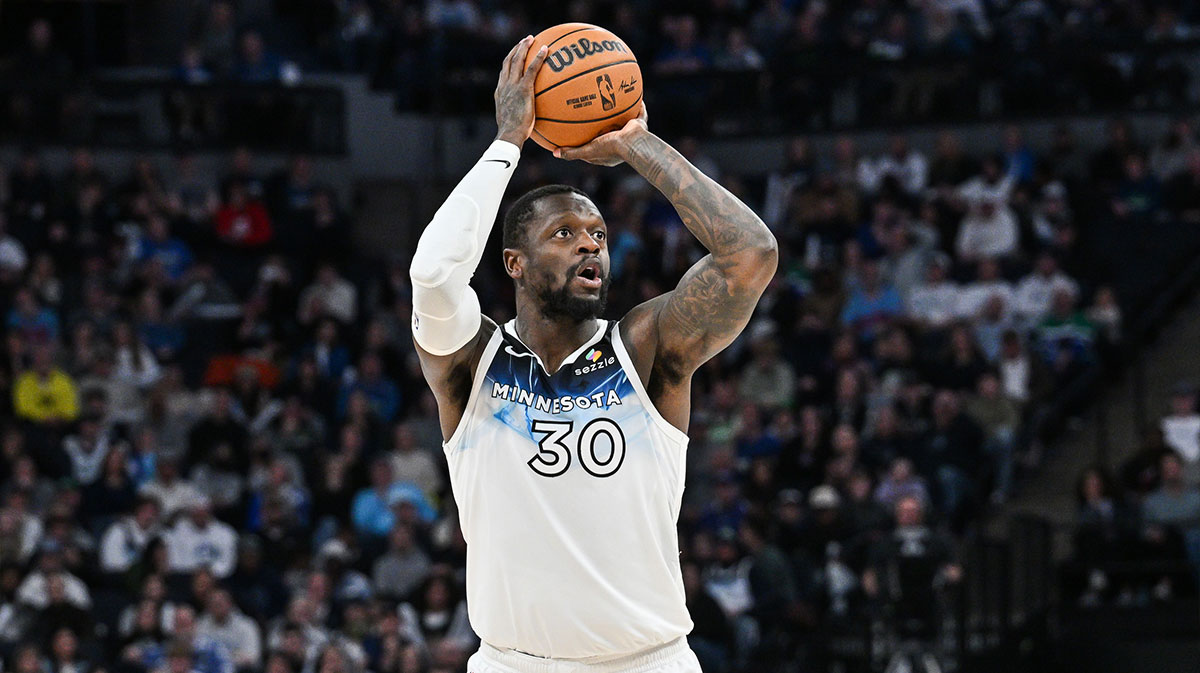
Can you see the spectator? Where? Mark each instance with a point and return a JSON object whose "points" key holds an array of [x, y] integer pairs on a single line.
{"points": [[1139, 192], [415, 464], [381, 392], [999, 417], [198, 541], [1036, 291], [172, 492], [124, 541], [243, 221], [160, 254], [951, 454], [1105, 533], [223, 624], [933, 303], [1181, 428], [872, 305], [45, 394], [403, 568], [1170, 515], [330, 296], [988, 284], [767, 380], [901, 481], [30, 321]]}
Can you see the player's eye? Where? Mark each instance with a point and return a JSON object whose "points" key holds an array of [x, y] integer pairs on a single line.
{"points": [[599, 235], [563, 232]]}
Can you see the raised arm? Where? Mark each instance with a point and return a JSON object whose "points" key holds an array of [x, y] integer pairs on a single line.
{"points": [[715, 298], [447, 324]]}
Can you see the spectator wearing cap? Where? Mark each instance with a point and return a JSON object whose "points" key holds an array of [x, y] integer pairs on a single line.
{"points": [[200, 541], [335, 560], [124, 542], [826, 523], [1035, 293], [224, 624], [45, 394], [1181, 427]]}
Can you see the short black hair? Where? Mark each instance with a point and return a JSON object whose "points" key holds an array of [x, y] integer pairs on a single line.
{"points": [[521, 211]]}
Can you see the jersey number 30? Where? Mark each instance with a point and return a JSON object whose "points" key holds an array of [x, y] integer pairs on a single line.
{"points": [[600, 447]]}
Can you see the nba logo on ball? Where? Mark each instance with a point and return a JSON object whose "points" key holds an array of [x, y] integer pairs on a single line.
{"points": [[608, 95]]}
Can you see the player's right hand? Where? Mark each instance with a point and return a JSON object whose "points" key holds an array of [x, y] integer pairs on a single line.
{"points": [[514, 93]]}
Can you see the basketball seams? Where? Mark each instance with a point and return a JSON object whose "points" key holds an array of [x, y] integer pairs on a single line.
{"points": [[581, 74], [589, 121], [571, 32]]}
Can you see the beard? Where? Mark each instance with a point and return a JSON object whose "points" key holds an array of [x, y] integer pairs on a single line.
{"points": [[559, 302]]}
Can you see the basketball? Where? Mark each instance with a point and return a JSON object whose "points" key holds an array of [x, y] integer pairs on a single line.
{"points": [[590, 84]]}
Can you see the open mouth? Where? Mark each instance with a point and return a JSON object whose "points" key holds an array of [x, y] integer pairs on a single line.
{"points": [[589, 275]]}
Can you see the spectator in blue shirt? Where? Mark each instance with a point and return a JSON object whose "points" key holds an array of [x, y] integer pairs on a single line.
{"points": [[157, 247], [382, 392], [31, 322], [872, 304], [372, 511]]}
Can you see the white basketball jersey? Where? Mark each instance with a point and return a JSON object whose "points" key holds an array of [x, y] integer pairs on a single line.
{"points": [[568, 487]]}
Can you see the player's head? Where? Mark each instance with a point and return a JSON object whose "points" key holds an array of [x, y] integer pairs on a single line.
{"points": [[556, 250]]}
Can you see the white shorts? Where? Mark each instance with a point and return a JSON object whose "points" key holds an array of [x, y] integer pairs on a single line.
{"points": [[672, 657]]}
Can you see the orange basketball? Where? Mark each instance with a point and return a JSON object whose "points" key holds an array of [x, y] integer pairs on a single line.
{"points": [[590, 84]]}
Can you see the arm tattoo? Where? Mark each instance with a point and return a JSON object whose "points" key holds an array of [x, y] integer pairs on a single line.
{"points": [[715, 298]]}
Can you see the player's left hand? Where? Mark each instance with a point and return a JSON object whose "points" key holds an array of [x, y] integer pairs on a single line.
{"points": [[607, 149]]}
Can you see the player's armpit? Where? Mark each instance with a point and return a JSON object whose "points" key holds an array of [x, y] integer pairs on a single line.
{"points": [[450, 376]]}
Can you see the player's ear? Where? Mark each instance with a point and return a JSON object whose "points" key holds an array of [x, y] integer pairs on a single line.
{"points": [[514, 263]]}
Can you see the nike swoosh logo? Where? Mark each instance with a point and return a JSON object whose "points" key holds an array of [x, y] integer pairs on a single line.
{"points": [[506, 162]]}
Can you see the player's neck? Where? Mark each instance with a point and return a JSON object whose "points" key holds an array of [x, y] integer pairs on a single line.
{"points": [[551, 338]]}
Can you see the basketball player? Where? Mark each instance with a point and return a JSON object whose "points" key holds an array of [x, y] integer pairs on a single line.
{"points": [[565, 432]]}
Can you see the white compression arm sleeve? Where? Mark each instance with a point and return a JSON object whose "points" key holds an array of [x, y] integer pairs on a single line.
{"points": [[446, 313]]}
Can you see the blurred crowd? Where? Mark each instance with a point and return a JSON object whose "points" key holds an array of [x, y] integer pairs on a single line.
{"points": [[741, 66], [901, 59], [1138, 530]]}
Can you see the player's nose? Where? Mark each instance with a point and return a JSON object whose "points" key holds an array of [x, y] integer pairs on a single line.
{"points": [[588, 244]]}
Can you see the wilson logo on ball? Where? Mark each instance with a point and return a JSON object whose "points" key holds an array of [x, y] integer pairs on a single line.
{"points": [[581, 49]]}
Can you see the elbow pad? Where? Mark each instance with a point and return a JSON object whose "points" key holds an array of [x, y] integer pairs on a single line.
{"points": [[446, 311]]}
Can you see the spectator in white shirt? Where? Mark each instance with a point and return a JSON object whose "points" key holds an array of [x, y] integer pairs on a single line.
{"points": [[13, 259], [988, 283], [990, 228], [172, 492], [1035, 291], [330, 296], [1181, 427], [225, 624], [87, 450], [934, 303], [35, 590], [123, 543], [200, 541], [906, 166]]}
